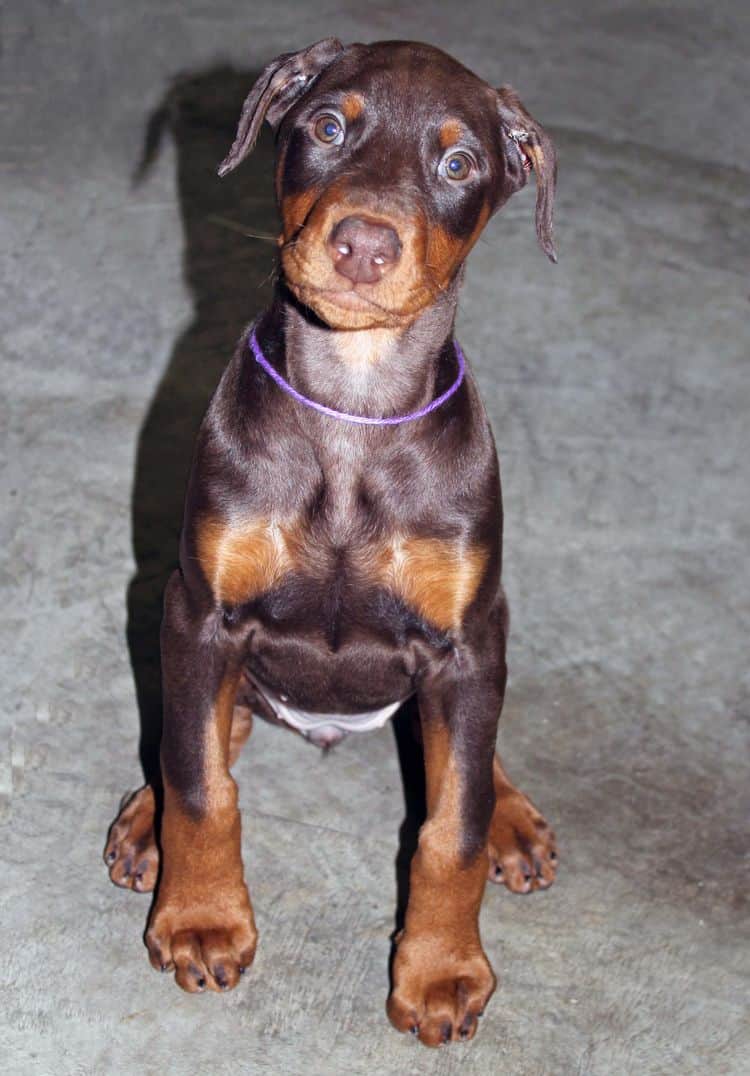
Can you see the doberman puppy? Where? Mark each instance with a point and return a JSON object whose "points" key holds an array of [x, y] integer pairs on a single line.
{"points": [[341, 545]]}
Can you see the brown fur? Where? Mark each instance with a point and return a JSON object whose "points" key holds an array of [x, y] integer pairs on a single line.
{"points": [[350, 567]]}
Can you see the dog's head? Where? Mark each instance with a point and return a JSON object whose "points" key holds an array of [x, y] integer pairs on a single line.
{"points": [[391, 159]]}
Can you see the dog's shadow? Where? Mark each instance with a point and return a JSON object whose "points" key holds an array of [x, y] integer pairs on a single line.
{"points": [[230, 276]]}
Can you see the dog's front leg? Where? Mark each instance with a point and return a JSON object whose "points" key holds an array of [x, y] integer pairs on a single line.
{"points": [[202, 923], [442, 979]]}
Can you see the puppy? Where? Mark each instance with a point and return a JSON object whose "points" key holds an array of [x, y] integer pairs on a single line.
{"points": [[341, 548]]}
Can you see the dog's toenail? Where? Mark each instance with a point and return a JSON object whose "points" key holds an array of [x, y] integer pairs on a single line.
{"points": [[164, 967], [446, 1032], [201, 983], [111, 857], [553, 855], [414, 1029], [242, 971]]}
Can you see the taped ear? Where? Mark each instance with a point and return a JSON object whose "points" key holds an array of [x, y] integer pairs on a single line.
{"points": [[280, 84], [528, 148]]}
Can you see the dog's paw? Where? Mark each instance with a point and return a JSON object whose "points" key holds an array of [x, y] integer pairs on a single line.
{"points": [[523, 854], [438, 995], [131, 853], [206, 949]]}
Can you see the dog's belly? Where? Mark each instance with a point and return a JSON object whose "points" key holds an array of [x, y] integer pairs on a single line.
{"points": [[325, 694], [331, 657], [327, 684], [322, 729]]}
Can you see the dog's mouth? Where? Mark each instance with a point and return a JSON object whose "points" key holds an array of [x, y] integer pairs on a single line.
{"points": [[347, 298], [348, 306]]}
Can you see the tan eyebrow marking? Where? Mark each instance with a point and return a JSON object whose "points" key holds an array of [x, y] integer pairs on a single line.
{"points": [[352, 106], [450, 133]]}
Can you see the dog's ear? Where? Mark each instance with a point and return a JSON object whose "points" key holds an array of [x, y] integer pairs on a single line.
{"points": [[528, 147], [280, 84]]}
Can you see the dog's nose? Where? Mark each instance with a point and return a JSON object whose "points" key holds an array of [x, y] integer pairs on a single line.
{"points": [[363, 250]]}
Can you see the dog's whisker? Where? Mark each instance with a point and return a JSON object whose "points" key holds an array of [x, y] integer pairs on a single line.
{"points": [[234, 226]]}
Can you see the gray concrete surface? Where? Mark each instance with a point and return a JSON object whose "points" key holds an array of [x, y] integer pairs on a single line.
{"points": [[618, 388]]}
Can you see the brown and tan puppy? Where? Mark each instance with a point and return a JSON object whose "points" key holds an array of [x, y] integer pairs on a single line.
{"points": [[330, 569]]}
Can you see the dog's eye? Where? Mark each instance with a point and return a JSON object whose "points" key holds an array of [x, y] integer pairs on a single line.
{"points": [[457, 166], [329, 130]]}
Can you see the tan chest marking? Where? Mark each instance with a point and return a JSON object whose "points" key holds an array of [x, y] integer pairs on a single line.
{"points": [[242, 560], [438, 579]]}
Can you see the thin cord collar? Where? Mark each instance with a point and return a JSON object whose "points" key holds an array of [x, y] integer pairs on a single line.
{"points": [[363, 420]]}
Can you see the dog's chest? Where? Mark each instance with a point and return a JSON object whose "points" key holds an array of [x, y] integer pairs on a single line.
{"points": [[309, 572], [346, 557]]}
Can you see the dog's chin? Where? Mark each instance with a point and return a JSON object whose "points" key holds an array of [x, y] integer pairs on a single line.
{"points": [[347, 309]]}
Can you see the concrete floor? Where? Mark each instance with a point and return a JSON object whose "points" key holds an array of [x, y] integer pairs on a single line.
{"points": [[618, 387]]}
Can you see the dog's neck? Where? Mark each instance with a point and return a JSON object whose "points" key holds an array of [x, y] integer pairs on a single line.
{"points": [[372, 372]]}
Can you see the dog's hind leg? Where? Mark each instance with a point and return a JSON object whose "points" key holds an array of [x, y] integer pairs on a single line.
{"points": [[132, 852], [523, 853]]}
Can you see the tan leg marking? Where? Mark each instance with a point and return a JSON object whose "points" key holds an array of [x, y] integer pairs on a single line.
{"points": [[441, 977], [522, 849], [202, 925], [242, 726]]}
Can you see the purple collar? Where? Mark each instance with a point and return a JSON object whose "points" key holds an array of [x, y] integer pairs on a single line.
{"points": [[363, 420]]}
